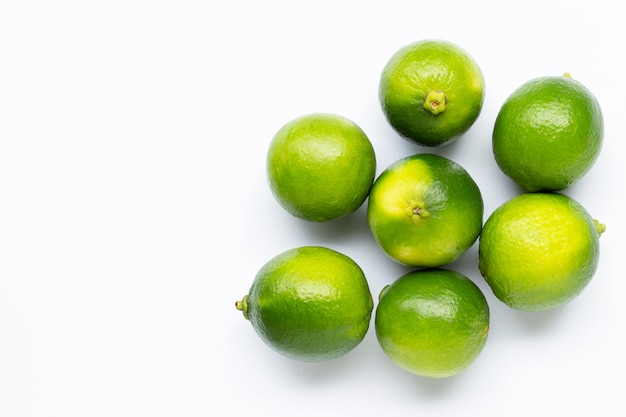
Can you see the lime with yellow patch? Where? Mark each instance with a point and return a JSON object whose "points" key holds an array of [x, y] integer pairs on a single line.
{"points": [[425, 210], [431, 91], [310, 303], [548, 133], [432, 322], [539, 251], [320, 166]]}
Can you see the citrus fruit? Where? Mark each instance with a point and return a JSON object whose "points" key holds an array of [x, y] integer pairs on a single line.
{"points": [[425, 210], [309, 303], [538, 251], [431, 91], [432, 322], [548, 133], [320, 166]]}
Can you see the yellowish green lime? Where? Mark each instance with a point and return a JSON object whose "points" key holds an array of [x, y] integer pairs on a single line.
{"points": [[310, 304], [431, 91], [548, 133], [432, 322], [320, 166], [538, 251], [425, 211]]}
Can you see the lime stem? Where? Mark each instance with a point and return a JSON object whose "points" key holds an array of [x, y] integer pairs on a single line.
{"points": [[435, 102], [383, 291], [600, 227], [243, 306]]}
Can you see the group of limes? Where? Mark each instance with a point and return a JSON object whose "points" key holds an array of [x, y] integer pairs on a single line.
{"points": [[537, 251]]}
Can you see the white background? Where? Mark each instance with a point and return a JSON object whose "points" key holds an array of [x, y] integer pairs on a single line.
{"points": [[135, 210]]}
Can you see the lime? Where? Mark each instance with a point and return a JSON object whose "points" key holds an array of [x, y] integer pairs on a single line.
{"points": [[320, 166], [548, 133], [432, 322], [538, 251], [310, 304], [431, 92], [425, 210]]}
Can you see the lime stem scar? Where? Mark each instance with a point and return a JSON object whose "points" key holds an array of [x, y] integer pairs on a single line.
{"points": [[435, 102], [417, 211]]}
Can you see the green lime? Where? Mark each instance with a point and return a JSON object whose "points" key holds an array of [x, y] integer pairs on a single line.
{"points": [[310, 304], [320, 166], [431, 92], [548, 133], [432, 322], [538, 251], [425, 210]]}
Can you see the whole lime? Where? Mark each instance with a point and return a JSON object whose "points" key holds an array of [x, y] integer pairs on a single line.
{"points": [[538, 251], [548, 133], [320, 166], [432, 322], [431, 91], [310, 304], [425, 210]]}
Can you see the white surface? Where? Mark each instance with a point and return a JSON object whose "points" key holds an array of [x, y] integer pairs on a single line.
{"points": [[135, 209]]}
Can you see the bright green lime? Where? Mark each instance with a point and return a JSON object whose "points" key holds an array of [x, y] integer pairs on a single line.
{"points": [[321, 166], [431, 92], [548, 133], [310, 304], [425, 210], [432, 322], [538, 251]]}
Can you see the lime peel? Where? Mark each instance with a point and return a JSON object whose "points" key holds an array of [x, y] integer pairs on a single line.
{"points": [[432, 322], [309, 303], [320, 166], [418, 84], [538, 251], [548, 133]]}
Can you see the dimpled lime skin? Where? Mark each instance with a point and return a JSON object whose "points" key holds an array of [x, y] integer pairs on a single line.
{"points": [[432, 322], [310, 304], [538, 251], [320, 166], [442, 188], [419, 68], [548, 133]]}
